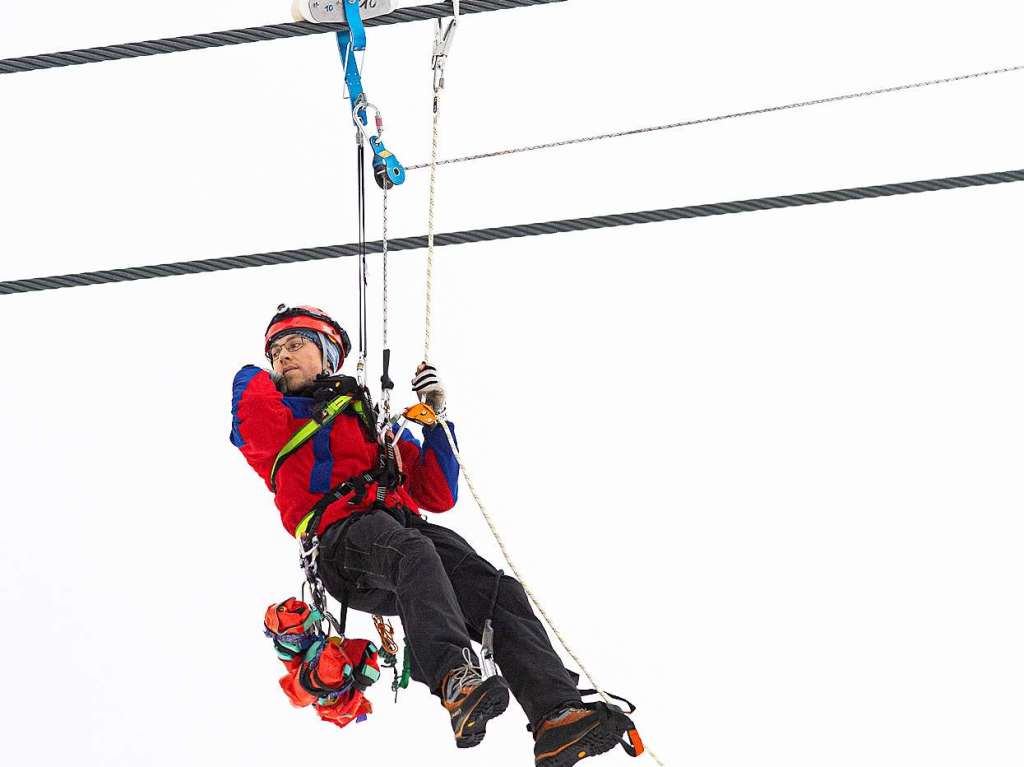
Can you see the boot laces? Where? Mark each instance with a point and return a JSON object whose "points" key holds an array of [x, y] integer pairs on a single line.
{"points": [[564, 710], [463, 676]]}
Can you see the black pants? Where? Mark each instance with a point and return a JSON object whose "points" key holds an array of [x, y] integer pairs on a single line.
{"points": [[394, 563]]}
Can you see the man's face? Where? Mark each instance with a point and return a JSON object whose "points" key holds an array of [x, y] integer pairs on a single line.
{"points": [[297, 360]]}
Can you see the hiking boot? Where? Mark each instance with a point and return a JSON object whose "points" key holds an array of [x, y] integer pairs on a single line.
{"points": [[472, 701], [574, 733]]}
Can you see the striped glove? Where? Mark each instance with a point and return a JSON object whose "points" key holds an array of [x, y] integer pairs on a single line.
{"points": [[428, 387]]}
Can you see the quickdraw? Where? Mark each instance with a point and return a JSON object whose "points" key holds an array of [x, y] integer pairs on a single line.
{"points": [[388, 654], [388, 645]]}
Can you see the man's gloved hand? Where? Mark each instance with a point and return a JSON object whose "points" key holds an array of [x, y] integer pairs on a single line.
{"points": [[327, 388], [428, 386]]}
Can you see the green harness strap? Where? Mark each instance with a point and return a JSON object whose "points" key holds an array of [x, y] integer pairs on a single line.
{"points": [[334, 408], [358, 407]]}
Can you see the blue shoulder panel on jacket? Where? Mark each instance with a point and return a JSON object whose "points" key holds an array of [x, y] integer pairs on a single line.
{"points": [[434, 439], [242, 379], [301, 407]]}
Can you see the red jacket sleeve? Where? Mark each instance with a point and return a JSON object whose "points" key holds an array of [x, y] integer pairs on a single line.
{"points": [[260, 421], [431, 469]]}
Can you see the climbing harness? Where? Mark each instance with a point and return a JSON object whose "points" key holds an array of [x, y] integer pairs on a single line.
{"points": [[332, 672]]}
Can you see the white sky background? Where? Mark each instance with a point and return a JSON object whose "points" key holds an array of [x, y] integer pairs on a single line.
{"points": [[763, 469]]}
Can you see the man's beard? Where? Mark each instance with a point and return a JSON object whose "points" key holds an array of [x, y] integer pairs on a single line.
{"points": [[297, 385]]}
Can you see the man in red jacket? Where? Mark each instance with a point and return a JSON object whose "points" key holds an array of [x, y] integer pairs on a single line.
{"points": [[379, 553]]}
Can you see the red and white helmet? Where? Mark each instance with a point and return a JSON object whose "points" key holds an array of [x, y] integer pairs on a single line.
{"points": [[307, 318]]}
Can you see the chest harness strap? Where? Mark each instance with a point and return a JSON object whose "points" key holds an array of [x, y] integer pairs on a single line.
{"points": [[320, 419]]}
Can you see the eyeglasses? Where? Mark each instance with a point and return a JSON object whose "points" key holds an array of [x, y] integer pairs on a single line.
{"points": [[292, 345]]}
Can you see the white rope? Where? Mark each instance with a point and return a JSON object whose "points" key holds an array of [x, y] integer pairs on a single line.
{"points": [[430, 229], [438, 89], [722, 117], [515, 571]]}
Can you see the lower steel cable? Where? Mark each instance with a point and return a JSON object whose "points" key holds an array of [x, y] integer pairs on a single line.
{"points": [[509, 232]]}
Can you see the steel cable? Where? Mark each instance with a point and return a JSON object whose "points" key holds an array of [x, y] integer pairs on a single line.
{"points": [[243, 36], [508, 232]]}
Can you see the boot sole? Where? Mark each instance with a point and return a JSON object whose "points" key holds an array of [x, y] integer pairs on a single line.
{"points": [[491, 705], [597, 740]]}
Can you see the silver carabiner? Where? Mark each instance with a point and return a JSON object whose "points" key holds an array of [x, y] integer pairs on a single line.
{"points": [[488, 667], [443, 39], [364, 106]]}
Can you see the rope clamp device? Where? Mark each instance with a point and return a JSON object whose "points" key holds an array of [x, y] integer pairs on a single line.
{"points": [[387, 170], [443, 39], [422, 414]]}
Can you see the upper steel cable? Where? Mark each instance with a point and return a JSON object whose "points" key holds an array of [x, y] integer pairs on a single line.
{"points": [[722, 117], [508, 232], [249, 35]]}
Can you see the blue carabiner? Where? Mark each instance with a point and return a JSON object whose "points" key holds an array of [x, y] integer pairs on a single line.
{"points": [[387, 170]]}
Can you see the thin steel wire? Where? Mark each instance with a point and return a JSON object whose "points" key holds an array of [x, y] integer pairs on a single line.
{"points": [[721, 117], [385, 393], [507, 232]]}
